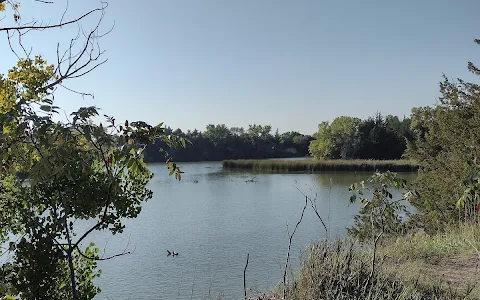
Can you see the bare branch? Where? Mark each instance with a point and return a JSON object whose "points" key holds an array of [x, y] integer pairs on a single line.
{"points": [[60, 24], [64, 12], [10, 44], [77, 92], [99, 258], [124, 252], [244, 277], [314, 207], [90, 51], [289, 249]]}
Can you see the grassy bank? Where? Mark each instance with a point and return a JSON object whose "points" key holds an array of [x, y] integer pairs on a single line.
{"points": [[312, 166], [419, 266]]}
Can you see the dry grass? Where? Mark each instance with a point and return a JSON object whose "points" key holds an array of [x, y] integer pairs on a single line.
{"points": [[450, 258], [456, 240], [338, 271], [416, 266]]}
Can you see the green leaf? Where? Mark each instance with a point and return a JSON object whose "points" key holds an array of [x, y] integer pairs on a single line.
{"points": [[46, 107], [460, 202], [129, 161]]}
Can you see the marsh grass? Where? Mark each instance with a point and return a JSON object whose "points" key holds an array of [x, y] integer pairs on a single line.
{"points": [[313, 166]]}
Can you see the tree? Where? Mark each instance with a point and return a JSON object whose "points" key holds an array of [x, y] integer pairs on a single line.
{"points": [[344, 132], [446, 145], [218, 134], [336, 140], [321, 146], [380, 214], [238, 131], [259, 132], [382, 137], [373, 138], [77, 170]]}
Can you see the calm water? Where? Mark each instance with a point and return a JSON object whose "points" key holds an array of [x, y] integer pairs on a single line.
{"points": [[213, 218]]}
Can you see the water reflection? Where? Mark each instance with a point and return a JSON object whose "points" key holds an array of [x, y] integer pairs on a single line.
{"points": [[213, 218]]}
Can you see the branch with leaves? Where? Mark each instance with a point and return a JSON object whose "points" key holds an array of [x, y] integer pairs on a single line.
{"points": [[76, 170]]}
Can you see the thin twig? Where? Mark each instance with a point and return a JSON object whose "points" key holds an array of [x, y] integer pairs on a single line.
{"points": [[77, 92], [99, 258], [244, 277], [314, 207], [289, 248], [55, 25]]}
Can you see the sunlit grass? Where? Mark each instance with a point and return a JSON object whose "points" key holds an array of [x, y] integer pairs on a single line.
{"points": [[337, 271], [312, 166], [455, 240]]}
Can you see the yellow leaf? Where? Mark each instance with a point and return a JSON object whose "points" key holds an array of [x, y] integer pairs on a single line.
{"points": [[2, 6]]}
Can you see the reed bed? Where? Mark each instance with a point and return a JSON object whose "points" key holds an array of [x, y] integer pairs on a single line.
{"points": [[315, 166]]}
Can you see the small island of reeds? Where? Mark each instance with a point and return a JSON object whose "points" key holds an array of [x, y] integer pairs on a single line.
{"points": [[314, 166]]}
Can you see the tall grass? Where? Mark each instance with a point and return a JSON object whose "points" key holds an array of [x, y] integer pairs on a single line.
{"points": [[337, 271], [419, 246], [312, 166]]}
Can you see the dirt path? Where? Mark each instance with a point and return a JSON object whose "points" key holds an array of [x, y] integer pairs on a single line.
{"points": [[462, 271]]}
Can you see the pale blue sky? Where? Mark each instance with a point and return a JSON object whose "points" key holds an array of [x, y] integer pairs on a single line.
{"points": [[290, 64]]}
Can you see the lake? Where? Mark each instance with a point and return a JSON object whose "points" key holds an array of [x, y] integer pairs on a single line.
{"points": [[213, 218]]}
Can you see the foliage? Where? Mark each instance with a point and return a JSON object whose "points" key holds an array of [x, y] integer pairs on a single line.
{"points": [[351, 138], [77, 171], [218, 142], [446, 143], [72, 170], [310, 166], [321, 147], [380, 212]]}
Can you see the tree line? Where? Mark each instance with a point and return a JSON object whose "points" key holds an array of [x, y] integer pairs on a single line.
{"points": [[218, 142], [376, 137]]}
